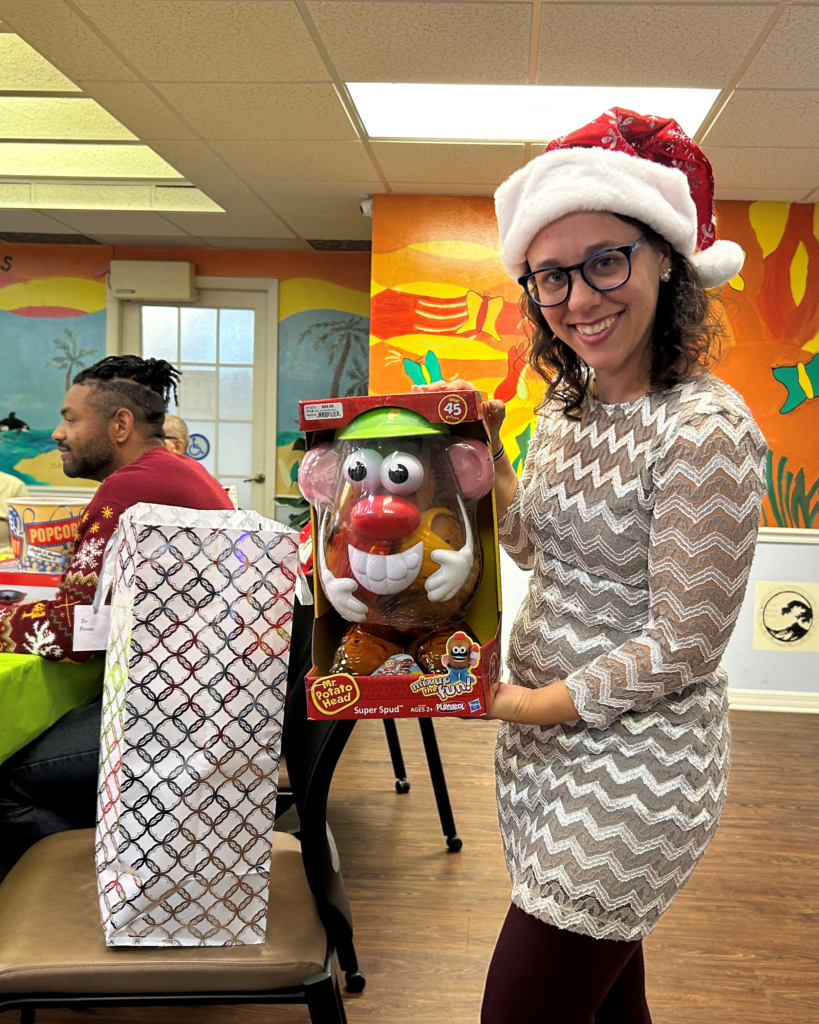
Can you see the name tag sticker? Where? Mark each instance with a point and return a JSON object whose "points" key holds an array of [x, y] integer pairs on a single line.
{"points": [[90, 630]]}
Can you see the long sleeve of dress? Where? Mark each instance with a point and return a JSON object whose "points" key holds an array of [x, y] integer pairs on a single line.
{"points": [[513, 534], [708, 492]]}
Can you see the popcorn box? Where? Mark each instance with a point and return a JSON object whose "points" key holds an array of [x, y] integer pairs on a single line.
{"points": [[399, 690], [43, 533]]}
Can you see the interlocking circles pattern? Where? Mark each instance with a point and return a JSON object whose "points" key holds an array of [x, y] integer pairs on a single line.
{"points": [[192, 716]]}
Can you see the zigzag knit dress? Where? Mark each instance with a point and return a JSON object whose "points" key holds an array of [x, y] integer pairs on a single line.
{"points": [[639, 523]]}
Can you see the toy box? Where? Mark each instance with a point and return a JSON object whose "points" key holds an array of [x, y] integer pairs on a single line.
{"points": [[400, 688]]}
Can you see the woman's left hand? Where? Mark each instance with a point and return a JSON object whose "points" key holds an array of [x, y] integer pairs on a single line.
{"points": [[509, 702]]}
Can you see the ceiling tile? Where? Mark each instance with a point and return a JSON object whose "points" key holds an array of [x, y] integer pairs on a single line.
{"points": [[788, 58], [318, 199], [154, 241], [260, 111], [138, 108], [645, 44], [223, 225], [193, 159], [777, 118], [778, 195], [77, 160], [126, 222], [202, 41], [30, 221], [764, 168], [426, 42], [297, 161], [234, 197], [56, 32], [22, 68], [332, 227], [58, 117], [447, 162], [284, 244], [437, 189]]}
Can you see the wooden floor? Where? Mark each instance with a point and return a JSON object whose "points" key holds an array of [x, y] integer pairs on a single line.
{"points": [[739, 946]]}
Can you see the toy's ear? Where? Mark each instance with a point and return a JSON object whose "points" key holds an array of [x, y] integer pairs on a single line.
{"points": [[317, 475], [473, 466]]}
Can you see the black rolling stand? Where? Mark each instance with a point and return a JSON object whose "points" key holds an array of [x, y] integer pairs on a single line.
{"points": [[436, 774]]}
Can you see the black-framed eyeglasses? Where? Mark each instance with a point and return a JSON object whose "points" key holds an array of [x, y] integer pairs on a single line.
{"points": [[604, 271]]}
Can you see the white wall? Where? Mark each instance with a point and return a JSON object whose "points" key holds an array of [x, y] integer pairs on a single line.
{"points": [[781, 555]]}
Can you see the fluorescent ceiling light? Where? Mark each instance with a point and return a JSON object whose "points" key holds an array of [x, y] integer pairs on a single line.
{"points": [[391, 110], [72, 160], [41, 117], [22, 69]]}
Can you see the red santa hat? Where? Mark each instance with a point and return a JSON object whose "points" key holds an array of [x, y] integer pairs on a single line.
{"points": [[638, 166]]}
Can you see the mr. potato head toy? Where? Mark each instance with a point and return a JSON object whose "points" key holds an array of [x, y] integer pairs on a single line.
{"points": [[397, 551]]}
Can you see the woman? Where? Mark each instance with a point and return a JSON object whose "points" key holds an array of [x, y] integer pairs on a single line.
{"points": [[637, 513]]}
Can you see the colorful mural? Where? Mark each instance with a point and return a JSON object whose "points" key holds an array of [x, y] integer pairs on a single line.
{"points": [[443, 306], [52, 324], [323, 342]]}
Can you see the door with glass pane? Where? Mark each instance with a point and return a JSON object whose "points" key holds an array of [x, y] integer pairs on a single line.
{"points": [[219, 344]]}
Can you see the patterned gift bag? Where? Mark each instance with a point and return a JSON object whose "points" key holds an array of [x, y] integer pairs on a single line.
{"points": [[193, 706]]}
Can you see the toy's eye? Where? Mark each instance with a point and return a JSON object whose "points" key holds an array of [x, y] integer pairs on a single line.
{"points": [[362, 469], [401, 473], [460, 651]]}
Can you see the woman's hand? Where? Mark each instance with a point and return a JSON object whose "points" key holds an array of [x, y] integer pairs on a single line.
{"points": [[545, 706], [509, 702], [493, 412]]}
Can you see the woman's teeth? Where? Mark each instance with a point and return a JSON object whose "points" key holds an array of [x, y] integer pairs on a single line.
{"points": [[598, 328]]}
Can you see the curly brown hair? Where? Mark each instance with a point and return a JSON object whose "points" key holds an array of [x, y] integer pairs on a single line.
{"points": [[688, 333]]}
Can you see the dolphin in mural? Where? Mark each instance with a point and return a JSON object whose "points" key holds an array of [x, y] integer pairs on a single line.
{"points": [[801, 382], [11, 422]]}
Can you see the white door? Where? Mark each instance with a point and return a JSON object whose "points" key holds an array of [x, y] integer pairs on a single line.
{"points": [[226, 351]]}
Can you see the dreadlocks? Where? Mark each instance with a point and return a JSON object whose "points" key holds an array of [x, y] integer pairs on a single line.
{"points": [[144, 386]]}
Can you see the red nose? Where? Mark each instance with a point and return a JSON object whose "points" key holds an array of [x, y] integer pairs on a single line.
{"points": [[385, 518]]}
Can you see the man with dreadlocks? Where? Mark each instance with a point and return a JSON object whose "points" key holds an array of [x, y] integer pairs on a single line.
{"points": [[111, 431]]}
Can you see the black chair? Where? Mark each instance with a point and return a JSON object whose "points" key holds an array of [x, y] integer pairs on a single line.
{"points": [[52, 952], [300, 653]]}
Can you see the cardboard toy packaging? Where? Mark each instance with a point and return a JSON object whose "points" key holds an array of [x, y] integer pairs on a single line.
{"points": [[414, 447]]}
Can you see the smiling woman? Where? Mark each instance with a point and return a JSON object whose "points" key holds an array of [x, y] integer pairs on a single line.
{"points": [[636, 512]]}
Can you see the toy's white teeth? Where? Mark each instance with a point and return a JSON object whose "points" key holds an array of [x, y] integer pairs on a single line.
{"points": [[386, 574]]}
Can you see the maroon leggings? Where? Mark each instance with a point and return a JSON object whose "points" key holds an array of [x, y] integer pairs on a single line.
{"points": [[540, 974]]}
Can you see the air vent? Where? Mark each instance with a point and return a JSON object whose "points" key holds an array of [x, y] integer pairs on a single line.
{"points": [[33, 238], [341, 244]]}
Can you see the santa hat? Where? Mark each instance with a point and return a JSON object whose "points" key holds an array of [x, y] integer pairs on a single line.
{"points": [[624, 163]]}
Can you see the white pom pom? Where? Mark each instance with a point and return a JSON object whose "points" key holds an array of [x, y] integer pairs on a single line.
{"points": [[719, 263]]}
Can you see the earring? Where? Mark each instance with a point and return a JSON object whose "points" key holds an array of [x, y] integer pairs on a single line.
{"points": [[666, 275]]}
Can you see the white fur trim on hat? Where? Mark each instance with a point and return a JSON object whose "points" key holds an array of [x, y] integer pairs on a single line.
{"points": [[719, 263], [582, 178]]}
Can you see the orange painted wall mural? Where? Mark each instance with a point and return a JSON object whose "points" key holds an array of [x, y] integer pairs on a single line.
{"points": [[443, 306]]}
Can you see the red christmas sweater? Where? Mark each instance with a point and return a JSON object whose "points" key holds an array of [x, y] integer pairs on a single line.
{"points": [[158, 477]]}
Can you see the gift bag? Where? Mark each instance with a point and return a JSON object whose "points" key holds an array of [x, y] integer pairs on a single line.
{"points": [[193, 703]]}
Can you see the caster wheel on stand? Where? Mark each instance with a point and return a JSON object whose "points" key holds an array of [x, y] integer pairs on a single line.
{"points": [[455, 844], [402, 786], [355, 981]]}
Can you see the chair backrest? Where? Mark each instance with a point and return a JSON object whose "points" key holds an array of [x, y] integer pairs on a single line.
{"points": [[312, 750]]}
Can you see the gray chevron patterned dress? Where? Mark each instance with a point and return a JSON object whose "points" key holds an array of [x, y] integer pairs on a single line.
{"points": [[639, 523]]}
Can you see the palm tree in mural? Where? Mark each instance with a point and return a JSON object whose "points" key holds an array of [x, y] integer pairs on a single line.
{"points": [[341, 339], [71, 356], [359, 376]]}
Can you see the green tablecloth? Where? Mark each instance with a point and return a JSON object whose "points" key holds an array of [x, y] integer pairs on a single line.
{"points": [[35, 693]]}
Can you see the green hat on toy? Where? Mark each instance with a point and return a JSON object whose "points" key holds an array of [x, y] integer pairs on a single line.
{"points": [[390, 422]]}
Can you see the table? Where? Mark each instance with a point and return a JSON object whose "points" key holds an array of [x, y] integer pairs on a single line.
{"points": [[35, 693]]}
